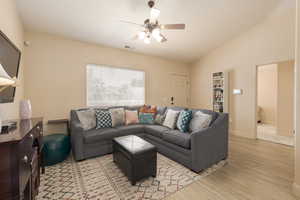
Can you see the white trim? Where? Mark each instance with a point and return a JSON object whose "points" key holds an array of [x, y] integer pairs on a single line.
{"points": [[296, 189], [179, 74], [256, 92]]}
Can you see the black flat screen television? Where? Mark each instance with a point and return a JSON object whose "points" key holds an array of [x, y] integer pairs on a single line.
{"points": [[10, 57]]}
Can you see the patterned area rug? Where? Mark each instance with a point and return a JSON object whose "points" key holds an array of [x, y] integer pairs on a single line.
{"points": [[100, 179]]}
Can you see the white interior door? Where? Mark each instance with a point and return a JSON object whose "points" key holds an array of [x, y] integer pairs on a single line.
{"points": [[179, 95]]}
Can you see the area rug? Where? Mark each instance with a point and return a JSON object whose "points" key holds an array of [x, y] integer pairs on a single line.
{"points": [[100, 179]]}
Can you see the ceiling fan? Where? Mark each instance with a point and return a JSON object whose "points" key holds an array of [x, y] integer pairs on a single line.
{"points": [[152, 28]]}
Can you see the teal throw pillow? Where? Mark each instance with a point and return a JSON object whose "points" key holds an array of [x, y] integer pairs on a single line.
{"points": [[184, 119], [146, 118]]}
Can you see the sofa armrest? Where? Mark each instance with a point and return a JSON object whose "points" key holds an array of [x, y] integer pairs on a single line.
{"points": [[76, 136], [211, 144]]}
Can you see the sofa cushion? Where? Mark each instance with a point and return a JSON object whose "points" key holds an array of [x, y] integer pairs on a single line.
{"points": [[96, 135], [131, 129], [103, 119], [117, 116], [178, 138], [214, 115], [146, 118], [87, 118], [131, 117], [200, 121], [161, 110], [148, 109], [171, 118], [159, 119], [156, 130], [184, 119]]}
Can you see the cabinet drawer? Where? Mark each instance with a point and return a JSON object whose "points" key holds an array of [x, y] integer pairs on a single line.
{"points": [[25, 151]]}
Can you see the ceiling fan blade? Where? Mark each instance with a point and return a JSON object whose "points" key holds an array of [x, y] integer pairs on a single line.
{"points": [[172, 26], [128, 22]]}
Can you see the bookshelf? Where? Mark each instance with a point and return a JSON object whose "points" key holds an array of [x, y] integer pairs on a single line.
{"points": [[220, 91]]}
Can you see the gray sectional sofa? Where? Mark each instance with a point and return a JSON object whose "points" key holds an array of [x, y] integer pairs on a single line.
{"points": [[197, 150]]}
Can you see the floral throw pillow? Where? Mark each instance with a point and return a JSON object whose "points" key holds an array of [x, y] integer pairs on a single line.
{"points": [[148, 109]]}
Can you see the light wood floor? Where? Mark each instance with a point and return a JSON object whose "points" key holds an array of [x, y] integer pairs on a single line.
{"points": [[256, 170]]}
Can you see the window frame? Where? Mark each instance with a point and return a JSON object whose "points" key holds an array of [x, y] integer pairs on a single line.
{"points": [[113, 67]]}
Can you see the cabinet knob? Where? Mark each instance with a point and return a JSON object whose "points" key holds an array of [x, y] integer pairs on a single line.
{"points": [[31, 135], [38, 128], [25, 159]]}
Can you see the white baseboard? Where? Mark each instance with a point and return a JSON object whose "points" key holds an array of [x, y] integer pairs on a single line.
{"points": [[244, 134], [296, 189]]}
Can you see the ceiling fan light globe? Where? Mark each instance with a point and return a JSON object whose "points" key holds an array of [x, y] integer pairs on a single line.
{"points": [[141, 35], [147, 40], [159, 38], [156, 32]]}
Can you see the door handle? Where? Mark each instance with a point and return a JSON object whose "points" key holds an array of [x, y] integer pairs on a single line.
{"points": [[172, 100]]}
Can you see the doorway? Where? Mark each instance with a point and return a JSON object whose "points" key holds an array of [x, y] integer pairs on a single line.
{"points": [[275, 102], [179, 90]]}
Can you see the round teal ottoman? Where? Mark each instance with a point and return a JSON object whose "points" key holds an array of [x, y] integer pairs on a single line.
{"points": [[56, 148]]}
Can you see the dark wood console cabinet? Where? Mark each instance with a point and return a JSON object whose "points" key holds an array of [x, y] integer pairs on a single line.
{"points": [[20, 160]]}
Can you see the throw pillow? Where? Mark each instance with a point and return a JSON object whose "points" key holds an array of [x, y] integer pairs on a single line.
{"points": [[146, 118], [117, 116], [87, 119], [184, 119], [131, 117], [103, 119], [200, 121], [161, 110], [148, 109], [171, 118], [159, 119]]}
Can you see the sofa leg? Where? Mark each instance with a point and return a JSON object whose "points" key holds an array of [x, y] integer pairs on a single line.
{"points": [[197, 172], [133, 183], [80, 160]]}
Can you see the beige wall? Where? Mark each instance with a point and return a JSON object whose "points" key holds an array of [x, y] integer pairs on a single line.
{"points": [[55, 78], [285, 98], [271, 41], [267, 93], [297, 104], [11, 26]]}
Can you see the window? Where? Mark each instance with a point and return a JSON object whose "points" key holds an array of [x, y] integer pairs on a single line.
{"points": [[109, 86]]}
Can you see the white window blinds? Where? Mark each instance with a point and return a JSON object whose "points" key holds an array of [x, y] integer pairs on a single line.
{"points": [[110, 86]]}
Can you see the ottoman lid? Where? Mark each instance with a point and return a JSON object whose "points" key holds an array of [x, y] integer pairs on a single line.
{"points": [[134, 144]]}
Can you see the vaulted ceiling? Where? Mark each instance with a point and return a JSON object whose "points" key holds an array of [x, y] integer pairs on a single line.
{"points": [[209, 23]]}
